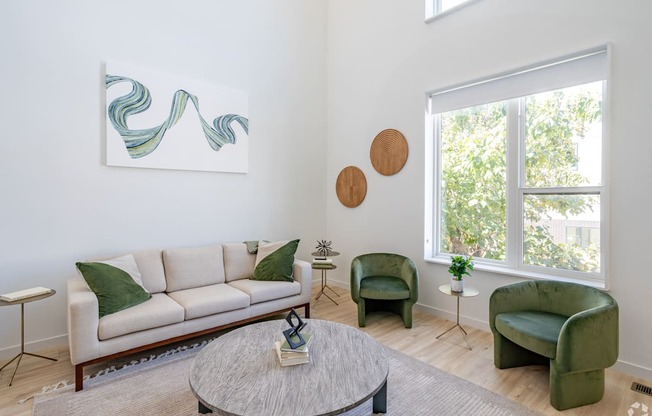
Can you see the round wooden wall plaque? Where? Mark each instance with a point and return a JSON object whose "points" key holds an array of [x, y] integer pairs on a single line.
{"points": [[389, 151], [351, 186]]}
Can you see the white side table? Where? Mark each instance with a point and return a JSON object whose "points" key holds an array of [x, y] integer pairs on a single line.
{"points": [[468, 292], [22, 303]]}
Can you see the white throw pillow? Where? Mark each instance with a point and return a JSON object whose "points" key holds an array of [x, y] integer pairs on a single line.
{"points": [[127, 263]]}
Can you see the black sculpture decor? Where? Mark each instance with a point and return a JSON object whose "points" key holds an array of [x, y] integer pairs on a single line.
{"points": [[292, 334], [324, 247]]}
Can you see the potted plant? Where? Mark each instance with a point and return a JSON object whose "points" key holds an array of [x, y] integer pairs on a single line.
{"points": [[460, 266]]}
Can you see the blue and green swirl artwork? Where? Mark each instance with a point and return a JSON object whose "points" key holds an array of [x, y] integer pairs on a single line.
{"points": [[140, 143]]}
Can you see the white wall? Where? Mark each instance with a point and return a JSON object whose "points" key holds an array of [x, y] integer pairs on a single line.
{"points": [[382, 58], [61, 204]]}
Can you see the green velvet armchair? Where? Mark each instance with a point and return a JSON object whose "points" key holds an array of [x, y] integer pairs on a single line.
{"points": [[571, 326], [384, 282]]}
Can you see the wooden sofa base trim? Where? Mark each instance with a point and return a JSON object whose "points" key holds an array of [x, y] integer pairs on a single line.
{"points": [[79, 368]]}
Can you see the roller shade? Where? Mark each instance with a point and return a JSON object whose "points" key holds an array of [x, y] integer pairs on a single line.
{"points": [[576, 69]]}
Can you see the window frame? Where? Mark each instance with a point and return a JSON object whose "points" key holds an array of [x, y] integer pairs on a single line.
{"points": [[515, 193], [434, 12]]}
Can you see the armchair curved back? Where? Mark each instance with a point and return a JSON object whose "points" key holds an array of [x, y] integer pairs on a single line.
{"points": [[561, 298], [588, 339], [568, 299], [384, 282], [573, 325], [384, 264]]}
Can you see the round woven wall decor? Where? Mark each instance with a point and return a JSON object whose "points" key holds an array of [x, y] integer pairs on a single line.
{"points": [[351, 186], [389, 151]]}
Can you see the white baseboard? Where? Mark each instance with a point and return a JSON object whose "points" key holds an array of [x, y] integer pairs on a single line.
{"points": [[57, 342], [633, 370]]}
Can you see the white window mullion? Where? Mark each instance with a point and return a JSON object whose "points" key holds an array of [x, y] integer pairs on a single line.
{"points": [[439, 174], [433, 187], [605, 201], [514, 196]]}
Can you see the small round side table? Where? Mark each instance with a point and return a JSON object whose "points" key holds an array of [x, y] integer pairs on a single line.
{"points": [[22, 303], [468, 292], [324, 269]]}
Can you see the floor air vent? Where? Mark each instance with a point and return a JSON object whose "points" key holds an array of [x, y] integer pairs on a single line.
{"points": [[641, 388]]}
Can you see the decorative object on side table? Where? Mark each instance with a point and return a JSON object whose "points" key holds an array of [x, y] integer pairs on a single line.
{"points": [[324, 247], [460, 266]]}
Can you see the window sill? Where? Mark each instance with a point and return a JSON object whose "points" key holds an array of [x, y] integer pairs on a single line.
{"points": [[499, 269]]}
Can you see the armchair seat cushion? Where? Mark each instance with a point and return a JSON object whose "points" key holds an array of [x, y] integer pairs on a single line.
{"points": [[384, 287], [534, 330]]}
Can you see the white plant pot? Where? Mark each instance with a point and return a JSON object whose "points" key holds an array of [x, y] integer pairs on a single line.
{"points": [[457, 285]]}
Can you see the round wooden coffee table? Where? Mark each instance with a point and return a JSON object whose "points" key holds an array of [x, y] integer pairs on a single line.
{"points": [[239, 373]]}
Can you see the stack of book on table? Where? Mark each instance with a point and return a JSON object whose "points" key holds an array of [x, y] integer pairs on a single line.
{"points": [[322, 263], [24, 294], [288, 356]]}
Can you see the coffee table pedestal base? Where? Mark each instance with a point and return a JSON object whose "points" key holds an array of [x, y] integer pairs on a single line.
{"points": [[203, 409], [380, 400]]}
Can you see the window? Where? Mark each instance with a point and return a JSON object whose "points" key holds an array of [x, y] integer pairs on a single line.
{"points": [[516, 175], [437, 7]]}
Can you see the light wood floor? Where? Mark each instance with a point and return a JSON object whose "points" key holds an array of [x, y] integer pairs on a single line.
{"points": [[528, 386]]}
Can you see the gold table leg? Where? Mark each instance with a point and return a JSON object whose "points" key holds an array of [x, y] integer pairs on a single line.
{"points": [[457, 325], [22, 346], [324, 285]]}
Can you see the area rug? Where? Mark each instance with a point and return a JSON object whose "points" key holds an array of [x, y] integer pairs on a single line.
{"points": [[160, 387]]}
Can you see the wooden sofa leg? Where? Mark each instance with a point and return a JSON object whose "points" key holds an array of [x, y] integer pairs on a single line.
{"points": [[79, 377], [306, 310]]}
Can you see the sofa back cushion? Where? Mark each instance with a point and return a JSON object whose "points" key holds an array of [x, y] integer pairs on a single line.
{"points": [[186, 268], [238, 262], [150, 264]]}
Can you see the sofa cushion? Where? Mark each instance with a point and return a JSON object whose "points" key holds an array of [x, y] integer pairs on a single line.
{"points": [[113, 284], [274, 261], [159, 311], [209, 300], [384, 287], [534, 330], [262, 291], [186, 268], [238, 262], [150, 264]]}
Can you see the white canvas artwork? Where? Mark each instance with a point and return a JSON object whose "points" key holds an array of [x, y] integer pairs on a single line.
{"points": [[156, 120]]}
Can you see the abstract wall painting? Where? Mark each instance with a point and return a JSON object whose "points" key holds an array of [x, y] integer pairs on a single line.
{"points": [[161, 121]]}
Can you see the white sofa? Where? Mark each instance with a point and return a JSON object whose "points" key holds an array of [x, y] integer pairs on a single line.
{"points": [[195, 291]]}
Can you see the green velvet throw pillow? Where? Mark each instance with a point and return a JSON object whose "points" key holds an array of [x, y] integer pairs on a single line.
{"points": [[115, 288], [274, 261]]}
